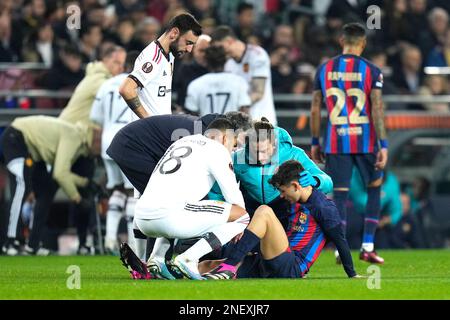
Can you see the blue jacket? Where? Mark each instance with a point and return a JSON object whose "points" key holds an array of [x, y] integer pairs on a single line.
{"points": [[254, 178]]}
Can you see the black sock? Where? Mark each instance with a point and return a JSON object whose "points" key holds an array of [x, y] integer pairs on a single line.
{"points": [[248, 241]]}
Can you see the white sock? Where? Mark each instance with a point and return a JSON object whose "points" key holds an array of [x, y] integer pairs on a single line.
{"points": [[140, 245], [224, 233], [116, 206], [160, 248], [129, 212], [336, 253], [368, 246]]}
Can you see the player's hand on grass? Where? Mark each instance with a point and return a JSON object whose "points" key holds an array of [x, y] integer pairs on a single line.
{"points": [[382, 157], [317, 155]]}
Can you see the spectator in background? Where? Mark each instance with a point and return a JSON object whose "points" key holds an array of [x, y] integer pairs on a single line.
{"points": [[342, 11], [191, 70], [284, 36], [66, 73], [90, 38], [406, 233], [396, 24], [245, 21], [202, 9], [408, 77], [41, 46], [282, 70], [417, 17], [437, 27], [124, 8], [124, 33], [435, 85], [440, 54], [34, 13], [147, 31], [10, 46]]}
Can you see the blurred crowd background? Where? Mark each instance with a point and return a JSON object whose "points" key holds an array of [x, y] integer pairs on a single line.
{"points": [[299, 35]]}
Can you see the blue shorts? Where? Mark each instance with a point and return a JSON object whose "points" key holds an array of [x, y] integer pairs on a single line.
{"points": [[339, 167], [286, 265]]}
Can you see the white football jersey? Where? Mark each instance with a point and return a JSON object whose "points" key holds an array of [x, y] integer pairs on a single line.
{"points": [[217, 92], [110, 110], [255, 63], [186, 173], [153, 68]]}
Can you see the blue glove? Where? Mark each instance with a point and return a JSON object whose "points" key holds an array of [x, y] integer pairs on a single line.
{"points": [[306, 179]]}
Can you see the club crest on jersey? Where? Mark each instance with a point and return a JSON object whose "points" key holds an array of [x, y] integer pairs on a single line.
{"points": [[303, 217], [147, 67], [246, 67]]}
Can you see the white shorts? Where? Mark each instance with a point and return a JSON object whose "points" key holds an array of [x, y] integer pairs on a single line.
{"points": [[115, 175], [194, 220]]}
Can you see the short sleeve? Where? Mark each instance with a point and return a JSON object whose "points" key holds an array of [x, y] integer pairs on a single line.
{"points": [[377, 79], [317, 84], [260, 65], [145, 69]]}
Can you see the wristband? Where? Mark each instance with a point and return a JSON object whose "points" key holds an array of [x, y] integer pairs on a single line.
{"points": [[383, 144], [315, 141]]}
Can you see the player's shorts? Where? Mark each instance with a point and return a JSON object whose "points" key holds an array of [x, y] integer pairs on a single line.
{"points": [[286, 265], [339, 167], [115, 176], [192, 220]]}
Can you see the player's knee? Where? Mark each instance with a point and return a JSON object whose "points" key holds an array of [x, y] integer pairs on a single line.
{"points": [[376, 183], [264, 211]]}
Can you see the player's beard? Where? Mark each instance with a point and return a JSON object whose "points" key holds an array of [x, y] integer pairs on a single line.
{"points": [[173, 47]]}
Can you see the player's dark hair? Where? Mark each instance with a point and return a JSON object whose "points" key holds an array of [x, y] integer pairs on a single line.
{"points": [[289, 171], [262, 130], [243, 6], [240, 120], [353, 32], [221, 124], [185, 22], [129, 62], [215, 58], [221, 32]]}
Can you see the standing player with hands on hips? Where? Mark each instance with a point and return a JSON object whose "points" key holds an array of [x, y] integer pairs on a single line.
{"points": [[148, 89], [351, 87]]}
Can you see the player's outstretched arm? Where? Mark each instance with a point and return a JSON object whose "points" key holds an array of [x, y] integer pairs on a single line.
{"points": [[128, 92], [378, 121], [316, 103]]}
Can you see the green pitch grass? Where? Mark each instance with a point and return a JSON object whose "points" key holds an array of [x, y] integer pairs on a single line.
{"points": [[405, 275]]}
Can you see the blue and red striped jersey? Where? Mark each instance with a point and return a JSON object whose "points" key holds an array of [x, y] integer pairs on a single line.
{"points": [[306, 238], [346, 82]]}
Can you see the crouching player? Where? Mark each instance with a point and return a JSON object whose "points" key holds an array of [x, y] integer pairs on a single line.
{"points": [[288, 254]]}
